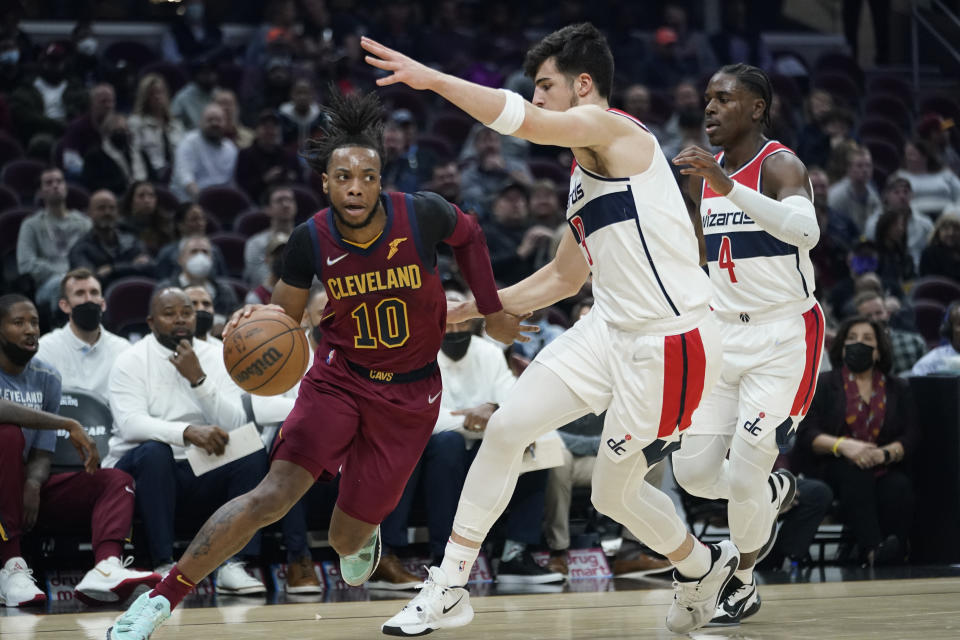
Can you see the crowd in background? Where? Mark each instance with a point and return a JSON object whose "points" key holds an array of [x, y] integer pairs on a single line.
{"points": [[186, 167]]}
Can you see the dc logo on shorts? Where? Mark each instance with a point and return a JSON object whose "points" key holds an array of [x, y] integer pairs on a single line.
{"points": [[752, 427], [618, 446]]}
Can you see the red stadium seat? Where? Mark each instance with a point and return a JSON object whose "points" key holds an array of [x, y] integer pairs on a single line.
{"points": [[929, 315], [8, 198], [23, 176], [77, 197], [10, 149], [10, 221], [549, 169], [935, 288], [251, 222], [231, 246], [165, 198], [224, 203], [454, 127], [128, 304]]}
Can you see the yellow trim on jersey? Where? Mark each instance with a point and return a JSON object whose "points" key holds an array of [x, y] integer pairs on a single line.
{"points": [[3, 534], [365, 244]]}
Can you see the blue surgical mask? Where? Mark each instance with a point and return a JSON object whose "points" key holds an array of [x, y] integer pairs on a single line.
{"points": [[863, 264], [10, 57]]}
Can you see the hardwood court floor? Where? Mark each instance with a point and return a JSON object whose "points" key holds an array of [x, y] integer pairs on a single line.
{"points": [[875, 610]]}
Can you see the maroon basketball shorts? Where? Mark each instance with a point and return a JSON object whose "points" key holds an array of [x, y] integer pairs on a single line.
{"points": [[373, 433]]}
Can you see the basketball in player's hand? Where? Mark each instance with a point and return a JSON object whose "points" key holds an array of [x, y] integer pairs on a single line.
{"points": [[267, 353]]}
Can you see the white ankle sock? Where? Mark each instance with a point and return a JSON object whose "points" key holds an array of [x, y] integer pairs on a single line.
{"points": [[744, 575], [457, 562], [697, 564]]}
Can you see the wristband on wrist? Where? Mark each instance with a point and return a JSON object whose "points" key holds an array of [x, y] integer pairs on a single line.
{"points": [[835, 450]]}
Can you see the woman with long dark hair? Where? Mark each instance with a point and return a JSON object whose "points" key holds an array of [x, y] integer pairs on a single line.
{"points": [[859, 436]]}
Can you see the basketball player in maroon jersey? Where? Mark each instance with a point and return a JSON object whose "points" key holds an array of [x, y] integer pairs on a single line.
{"points": [[369, 404]]}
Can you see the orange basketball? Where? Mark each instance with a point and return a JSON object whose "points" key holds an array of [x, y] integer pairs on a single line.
{"points": [[267, 353]]}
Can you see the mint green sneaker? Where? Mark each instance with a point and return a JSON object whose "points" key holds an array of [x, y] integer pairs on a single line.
{"points": [[356, 568], [141, 619]]}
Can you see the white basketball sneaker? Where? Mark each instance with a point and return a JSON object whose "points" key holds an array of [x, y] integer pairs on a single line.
{"points": [[233, 579], [112, 581], [18, 587], [695, 601], [437, 606]]}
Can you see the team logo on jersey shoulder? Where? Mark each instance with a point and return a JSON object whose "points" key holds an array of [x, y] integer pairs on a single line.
{"points": [[576, 193], [393, 247]]}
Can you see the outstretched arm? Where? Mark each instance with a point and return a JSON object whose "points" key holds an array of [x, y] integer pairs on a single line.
{"points": [[578, 127], [785, 208], [559, 279]]}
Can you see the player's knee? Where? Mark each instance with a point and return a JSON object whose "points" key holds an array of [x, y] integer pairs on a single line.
{"points": [[267, 503], [503, 434], [695, 478], [744, 487], [114, 479], [606, 498]]}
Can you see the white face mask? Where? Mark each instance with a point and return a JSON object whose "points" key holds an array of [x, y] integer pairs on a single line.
{"points": [[199, 265], [87, 46]]}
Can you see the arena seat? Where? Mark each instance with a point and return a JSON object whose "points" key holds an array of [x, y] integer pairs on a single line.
{"points": [[935, 288], [307, 201], [23, 176], [454, 127], [224, 202], [77, 197], [128, 305], [90, 410], [8, 198], [250, 222], [10, 149], [929, 317], [231, 246]]}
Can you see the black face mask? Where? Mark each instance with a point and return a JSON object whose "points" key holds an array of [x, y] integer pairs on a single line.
{"points": [[204, 323], [87, 316], [18, 355], [455, 344], [858, 357]]}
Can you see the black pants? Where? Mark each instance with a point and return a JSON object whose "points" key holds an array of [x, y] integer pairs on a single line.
{"points": [[873, 507]]}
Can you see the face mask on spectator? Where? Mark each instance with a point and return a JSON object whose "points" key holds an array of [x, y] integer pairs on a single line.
{"points": [[455, 344], [87, 46], [11, 57], [17, 355], [199, 265], [858, 356], [204, 323], [87, 315]]}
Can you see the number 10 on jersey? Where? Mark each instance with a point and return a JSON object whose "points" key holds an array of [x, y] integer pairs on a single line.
{"points": [[390, 327]]}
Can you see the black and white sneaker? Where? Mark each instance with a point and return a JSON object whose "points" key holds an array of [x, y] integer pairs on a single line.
{"points": [[784, 487], [738, 602], [695, 601], [523, 569]]}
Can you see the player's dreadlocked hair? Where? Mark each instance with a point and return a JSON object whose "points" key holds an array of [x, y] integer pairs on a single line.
{"points": [[352, 121], [756, 81]]}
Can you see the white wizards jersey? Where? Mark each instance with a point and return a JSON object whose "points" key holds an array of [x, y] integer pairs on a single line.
{"points": [[752, 272], [635, 234]]}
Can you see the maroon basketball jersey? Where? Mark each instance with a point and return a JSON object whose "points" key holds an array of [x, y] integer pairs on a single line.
{"points": [[387, 309]]}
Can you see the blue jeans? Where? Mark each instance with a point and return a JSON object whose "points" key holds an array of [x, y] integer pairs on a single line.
{"points": [[167, 488], [443, 468]]}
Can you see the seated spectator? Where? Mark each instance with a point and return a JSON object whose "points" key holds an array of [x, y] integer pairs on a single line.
{"points": [[739, 38], [636, 102], [192, 34], [262, 293], [83, 349], [515, 246], [205, 157], [946, 357], [935, 131], [891, 238], [266, 163], [105, 250], [86, 63], [117, 162], [155, 131], [898, 196], [203, 305], [692, 45], [420, 159], [301, 118], [191, 101], [863, 262], [935, 186], [489, 169], [687, 102], [47, 103], [45, 238], [196, 265], [34, 500], [860, 428], [141, 215], [819, 134], [830, 254], [282, 209], [233, 129], [190, 219], [399, 170], [12, 66], [906, 346], [85, 133], [855, 196], [941, 257], [475, 380], [167, 391], [446, 181], [664, 67]]}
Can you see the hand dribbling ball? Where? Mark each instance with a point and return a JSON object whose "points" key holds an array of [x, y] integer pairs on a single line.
{"points": [[267, 354]]}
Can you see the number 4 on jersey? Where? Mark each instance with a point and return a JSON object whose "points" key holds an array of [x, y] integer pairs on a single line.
{"points": [[725, 259]]}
